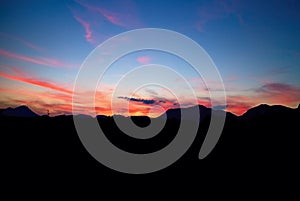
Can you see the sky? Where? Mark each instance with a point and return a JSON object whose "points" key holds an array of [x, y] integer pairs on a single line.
{"points": [[254, 44]]}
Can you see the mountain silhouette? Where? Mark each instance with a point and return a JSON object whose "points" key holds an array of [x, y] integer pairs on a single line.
{"points": [[204, 113], [265, 110], [176, 113], [262, 143], [21, 111]]}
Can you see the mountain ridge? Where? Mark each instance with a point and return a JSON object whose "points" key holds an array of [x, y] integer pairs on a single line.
{"points": [[20, 111], [174, 113]]}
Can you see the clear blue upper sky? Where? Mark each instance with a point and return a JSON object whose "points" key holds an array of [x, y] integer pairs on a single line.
{"points": [[254, 44]]}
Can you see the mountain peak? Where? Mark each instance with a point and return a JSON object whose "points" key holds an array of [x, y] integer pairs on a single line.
{"points": [[22, 107], [175, 113], [264, 109], [21, 111], [261, 107]]}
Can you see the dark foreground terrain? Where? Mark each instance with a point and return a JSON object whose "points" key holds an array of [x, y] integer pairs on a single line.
{"points": [[260, 146]]}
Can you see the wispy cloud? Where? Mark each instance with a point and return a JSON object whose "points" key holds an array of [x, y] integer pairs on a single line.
{"points": [[144, 101], [152, 92], [113, 18], [13, 69], [275, 88], [123, 15], [86, 26], [279, 93], [36, 82], [20, 40], [148, 106], [215, 10], [42, 61], [143, 59]]}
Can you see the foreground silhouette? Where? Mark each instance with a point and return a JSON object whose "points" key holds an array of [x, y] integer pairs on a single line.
{"points": [[262, 143]]}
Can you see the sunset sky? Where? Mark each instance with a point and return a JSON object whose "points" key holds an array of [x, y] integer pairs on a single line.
{"points": [[254, 44]]}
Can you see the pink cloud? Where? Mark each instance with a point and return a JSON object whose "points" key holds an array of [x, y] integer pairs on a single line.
{"points": [[123, 15], [111, 17], [108, 15], [87, 28], [42, 61], [279, 93], [35, 82], [14, 70], [143, 59], [24, 42]]}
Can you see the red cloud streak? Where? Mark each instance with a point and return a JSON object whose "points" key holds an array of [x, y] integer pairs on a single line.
{"points": [[36, 82], [41, 61], [26, 43]]}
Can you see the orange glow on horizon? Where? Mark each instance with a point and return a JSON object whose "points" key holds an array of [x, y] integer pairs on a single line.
{"points": [[58, 100]]}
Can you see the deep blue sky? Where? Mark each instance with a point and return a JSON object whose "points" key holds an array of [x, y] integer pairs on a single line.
{"points": [[254, 44]]}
